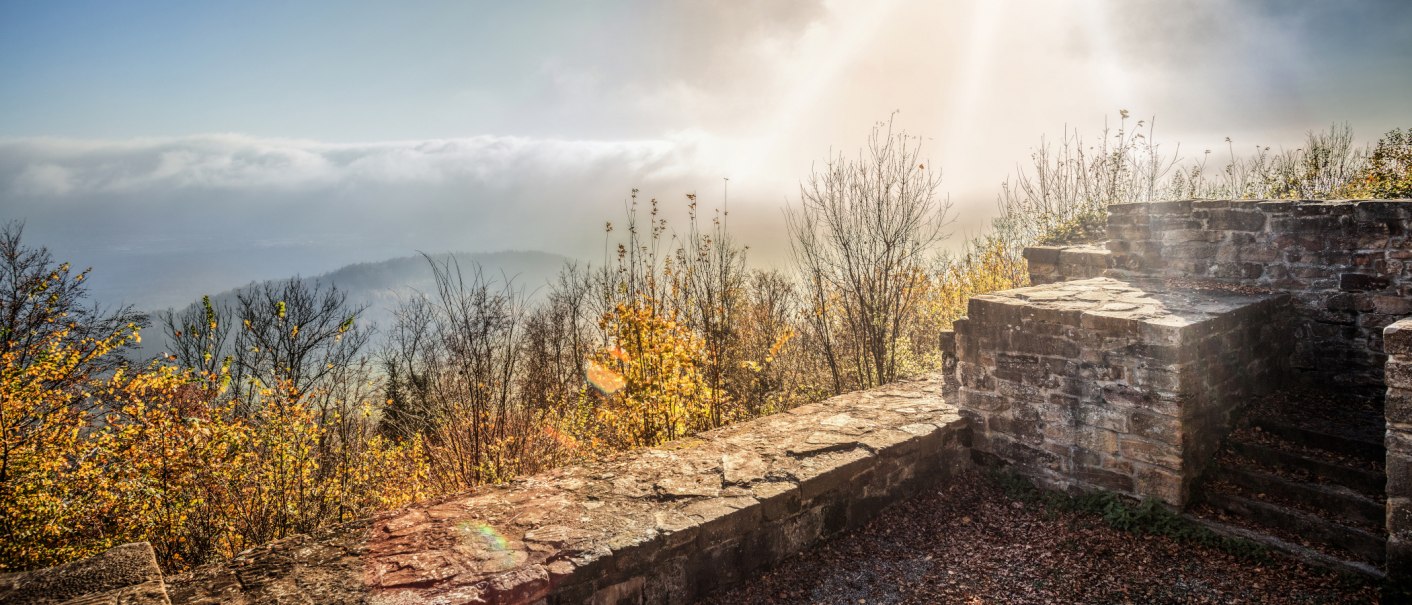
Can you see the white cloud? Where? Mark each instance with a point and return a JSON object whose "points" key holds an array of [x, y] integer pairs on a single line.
{"points": [[42, 178], [54, 167], [207, 212]]}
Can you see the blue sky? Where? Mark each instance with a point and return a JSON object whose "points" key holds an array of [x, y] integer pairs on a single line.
{"points": [[271, 138], [287, 69]]}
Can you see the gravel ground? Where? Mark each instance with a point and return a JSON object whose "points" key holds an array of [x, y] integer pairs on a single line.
{"points": [[973, 543]]}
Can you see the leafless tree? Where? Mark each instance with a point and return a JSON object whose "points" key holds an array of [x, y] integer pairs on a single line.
{"points": [[860, 238], [451, 364], [558, 337], [713, 297], [411, 407], [200, 339]]}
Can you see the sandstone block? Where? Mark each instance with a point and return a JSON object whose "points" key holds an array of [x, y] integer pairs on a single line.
{"points": [[1383, 210], [1397, 338], [1236, 220], [1158, 454], [1160, 484], [1357, 282], [1399, 372], [1399, 517], [1399, 474], [1042, 254], [1181, 207]]}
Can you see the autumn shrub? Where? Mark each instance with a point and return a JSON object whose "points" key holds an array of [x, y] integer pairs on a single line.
{"points": [[661, 367], [168, 463], [1388, 173], [165, 455], [95, 452], [55, 355], [653, 389], [51, 485], [985, 265]]}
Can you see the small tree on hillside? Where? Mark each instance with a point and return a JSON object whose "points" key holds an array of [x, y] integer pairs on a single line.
{"points": [[302, 336]]}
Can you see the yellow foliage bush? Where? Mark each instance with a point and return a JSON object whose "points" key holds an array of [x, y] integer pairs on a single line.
{"points": [[154, 456], [50, 485], [653, 390]]}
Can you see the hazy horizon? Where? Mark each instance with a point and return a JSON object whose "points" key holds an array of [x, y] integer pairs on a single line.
{"points": [[189, 148]]}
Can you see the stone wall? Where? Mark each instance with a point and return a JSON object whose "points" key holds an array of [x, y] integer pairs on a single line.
{"points": [[1121, 386], [1348, 266], [1397, 339], [661, 525], [1050, 264]]}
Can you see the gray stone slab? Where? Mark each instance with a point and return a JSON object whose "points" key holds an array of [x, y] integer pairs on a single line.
{"points": [[127, 574]]}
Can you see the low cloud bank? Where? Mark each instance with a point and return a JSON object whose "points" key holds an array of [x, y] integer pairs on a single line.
{"points": [[162, 220]]}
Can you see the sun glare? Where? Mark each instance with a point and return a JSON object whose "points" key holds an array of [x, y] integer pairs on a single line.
{"points": [[849, 35], [1112, 80]]}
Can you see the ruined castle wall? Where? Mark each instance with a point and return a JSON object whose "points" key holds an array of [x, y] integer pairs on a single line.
{"points": [[1397, 340], [1051, 264], [1347, 264], [1120, 386]]}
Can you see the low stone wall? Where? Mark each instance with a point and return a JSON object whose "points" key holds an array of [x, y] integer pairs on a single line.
{"points": [[1348, 265], [1121, 386], [663, 525], [1051, 264], [1397, 339]]}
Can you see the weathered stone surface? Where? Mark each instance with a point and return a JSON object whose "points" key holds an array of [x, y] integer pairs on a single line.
{"points": [[1119, 385], [1398, 409], [1397, 339], [1050, 264], [1345, 263], [1347, 266], [126, 575], [662, 525]]}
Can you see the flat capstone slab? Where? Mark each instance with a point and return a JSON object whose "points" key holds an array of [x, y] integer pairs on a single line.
{"points": [[661, 525], [1101, 299]]}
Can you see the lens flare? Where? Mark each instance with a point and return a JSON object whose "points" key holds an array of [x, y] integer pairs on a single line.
{"points": [[493, 539], [604, 379], [492, 547]]}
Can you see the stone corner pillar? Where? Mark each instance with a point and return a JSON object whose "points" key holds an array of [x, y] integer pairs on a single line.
{"points": [[1397, 342]]}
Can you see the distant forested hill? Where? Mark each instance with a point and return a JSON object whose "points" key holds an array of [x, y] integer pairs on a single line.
{"points": [[381, 286]]}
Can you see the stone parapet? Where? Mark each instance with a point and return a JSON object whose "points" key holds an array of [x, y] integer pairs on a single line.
{"points": [[1347, 265], [1397, 339], [1050, 264], [661, 525], [1115, 385]]}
